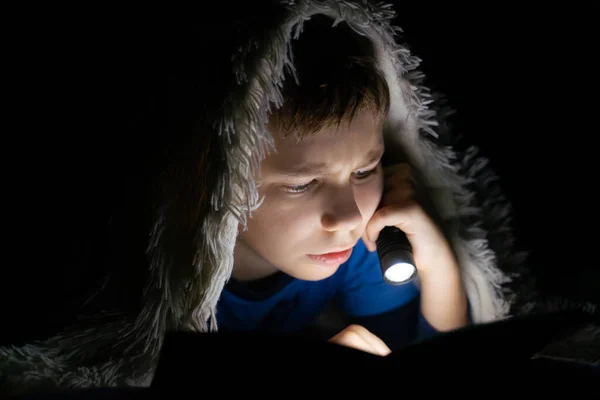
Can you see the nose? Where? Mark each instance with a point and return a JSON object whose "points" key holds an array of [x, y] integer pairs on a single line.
{"points": [[342, 212]]}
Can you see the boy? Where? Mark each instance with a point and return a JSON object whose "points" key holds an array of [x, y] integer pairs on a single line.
{"points": [[326, 197]]}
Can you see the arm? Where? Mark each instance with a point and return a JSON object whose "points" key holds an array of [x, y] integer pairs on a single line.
{"points": [[441, 306], [392, 313], [443, 301], [443, 298]]}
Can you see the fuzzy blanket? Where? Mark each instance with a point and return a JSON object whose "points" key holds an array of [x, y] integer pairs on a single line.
{"points": [[204, 189]]}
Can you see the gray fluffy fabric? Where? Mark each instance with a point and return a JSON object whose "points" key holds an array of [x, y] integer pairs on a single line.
{"points": [[463, 195]]}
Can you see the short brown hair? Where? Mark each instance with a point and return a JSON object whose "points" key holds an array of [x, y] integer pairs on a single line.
{"points": [[337, 77]]}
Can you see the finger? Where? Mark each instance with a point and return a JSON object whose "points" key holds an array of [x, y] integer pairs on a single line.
{"points": [[359, 338], [394, 180], [374, 343], [370, 245], [400, 194], [363, 339], [354, 340], [399, 215]]}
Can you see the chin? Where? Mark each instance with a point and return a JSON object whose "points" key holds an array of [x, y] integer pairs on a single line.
{"points": [[315, 273]]}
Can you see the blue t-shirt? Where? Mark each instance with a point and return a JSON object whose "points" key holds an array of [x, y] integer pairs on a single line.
{"points": [[287, 305]]}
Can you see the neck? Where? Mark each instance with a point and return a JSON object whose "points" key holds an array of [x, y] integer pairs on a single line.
{"points": [[249, 265]]}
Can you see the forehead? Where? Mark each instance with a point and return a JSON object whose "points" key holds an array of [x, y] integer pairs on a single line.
{"points": [[349, 143]]}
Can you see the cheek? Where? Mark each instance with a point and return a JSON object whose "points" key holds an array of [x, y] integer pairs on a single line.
{"points": [[275, 218], [368, 196]]}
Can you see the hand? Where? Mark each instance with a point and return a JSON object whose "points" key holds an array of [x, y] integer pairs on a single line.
{"points": [[443, 298], [399, 208], [358, 337]]}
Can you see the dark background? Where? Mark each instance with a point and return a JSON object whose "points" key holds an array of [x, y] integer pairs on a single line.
{"points": [[524, 83], [522, 80]]}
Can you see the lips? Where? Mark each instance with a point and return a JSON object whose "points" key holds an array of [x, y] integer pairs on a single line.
{"points": [[334, 258], [334, 252], [340, 249]]}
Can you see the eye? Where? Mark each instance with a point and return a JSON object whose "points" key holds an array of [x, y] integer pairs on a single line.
{"points": [[299, 188], [360, 175]]}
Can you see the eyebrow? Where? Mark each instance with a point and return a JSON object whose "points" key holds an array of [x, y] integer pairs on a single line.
{"points": [[322, 168]]}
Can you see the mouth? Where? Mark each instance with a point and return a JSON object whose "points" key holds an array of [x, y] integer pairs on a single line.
{"points": [[332, 258], [336, 251]]}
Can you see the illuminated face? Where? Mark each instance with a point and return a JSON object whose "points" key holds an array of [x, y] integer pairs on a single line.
{"points": [[318, 197]]}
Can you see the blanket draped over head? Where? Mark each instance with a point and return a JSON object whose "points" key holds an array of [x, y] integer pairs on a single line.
{"points": [[204, 188]]}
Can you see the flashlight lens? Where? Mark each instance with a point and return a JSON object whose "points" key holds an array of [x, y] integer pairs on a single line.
{"points": [[400, 272]]}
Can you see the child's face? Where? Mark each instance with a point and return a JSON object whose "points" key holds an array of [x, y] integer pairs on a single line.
{"points": [[315, 212]]}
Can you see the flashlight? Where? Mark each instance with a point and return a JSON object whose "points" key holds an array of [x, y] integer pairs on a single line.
{"points": [[395, 256]]}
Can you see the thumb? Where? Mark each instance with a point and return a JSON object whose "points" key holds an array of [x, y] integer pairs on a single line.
{"points": [[368, 244]]}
